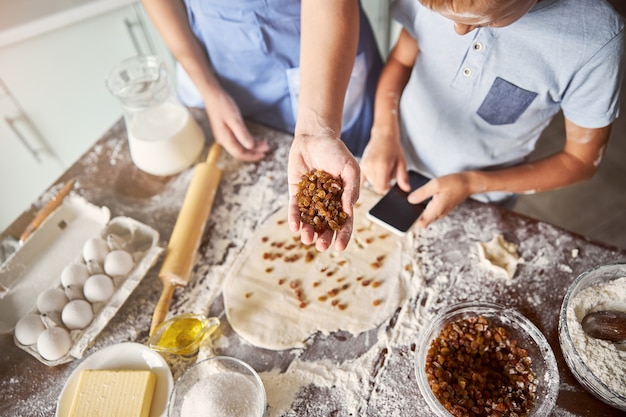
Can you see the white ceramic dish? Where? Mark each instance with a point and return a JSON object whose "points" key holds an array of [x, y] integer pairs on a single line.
{"points": [[123, 356]]}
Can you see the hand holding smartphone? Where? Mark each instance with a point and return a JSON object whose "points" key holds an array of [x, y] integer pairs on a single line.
{"points": [[394, 211]]}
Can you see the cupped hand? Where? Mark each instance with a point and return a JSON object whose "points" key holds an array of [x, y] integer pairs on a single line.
{"points": [[230, 130], [325, 153], [447, 192]]}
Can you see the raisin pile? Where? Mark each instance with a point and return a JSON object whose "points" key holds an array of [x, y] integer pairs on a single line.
{"points": [[319, 201], [475, 369]]}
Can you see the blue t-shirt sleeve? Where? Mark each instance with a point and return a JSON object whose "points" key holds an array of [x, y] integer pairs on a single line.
{"points": [[404, 12], [592, 98]]}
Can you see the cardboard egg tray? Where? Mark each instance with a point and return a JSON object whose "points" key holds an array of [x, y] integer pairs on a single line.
{"points": [[59, 241]]}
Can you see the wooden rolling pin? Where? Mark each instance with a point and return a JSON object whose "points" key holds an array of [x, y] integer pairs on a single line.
{"points": [[47, 210], [185, 239]]}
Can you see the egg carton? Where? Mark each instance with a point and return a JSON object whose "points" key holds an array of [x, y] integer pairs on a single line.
{"points": [[64, 239]]}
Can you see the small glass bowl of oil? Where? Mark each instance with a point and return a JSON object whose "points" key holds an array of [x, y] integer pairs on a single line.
{"points": [[182, 334]]}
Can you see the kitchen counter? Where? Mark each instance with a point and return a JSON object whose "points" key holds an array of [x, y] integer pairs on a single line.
{"points": [[335, 375], [23, 19]]}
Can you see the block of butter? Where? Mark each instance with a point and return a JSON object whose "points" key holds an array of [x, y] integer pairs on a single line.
{"points": [[113, 393]]}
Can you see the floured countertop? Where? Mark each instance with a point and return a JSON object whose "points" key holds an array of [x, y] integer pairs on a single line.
{"points": [[371, 374]]}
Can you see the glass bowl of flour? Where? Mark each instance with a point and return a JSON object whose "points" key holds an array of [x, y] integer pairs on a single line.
{"points": [[599, 365], [219, 386]]}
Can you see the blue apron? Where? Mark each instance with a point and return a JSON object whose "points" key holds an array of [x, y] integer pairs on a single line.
{"points": [[254, 49]]}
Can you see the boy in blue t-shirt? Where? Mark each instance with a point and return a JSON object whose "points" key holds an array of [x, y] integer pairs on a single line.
{"points": [[468, 89], [465, 94]]}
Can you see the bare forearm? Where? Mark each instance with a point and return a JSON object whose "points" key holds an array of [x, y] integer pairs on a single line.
{"points": [[393, 79], [170, 19], [550, 173], [577, 162], [329, 38]]}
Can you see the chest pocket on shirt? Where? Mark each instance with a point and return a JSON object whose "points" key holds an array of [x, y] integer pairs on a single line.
{"points": [[505, 103]]}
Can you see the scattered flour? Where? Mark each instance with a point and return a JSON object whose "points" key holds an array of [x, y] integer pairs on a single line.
{"points": [[282, 291], [336, 375], [372, 374]]}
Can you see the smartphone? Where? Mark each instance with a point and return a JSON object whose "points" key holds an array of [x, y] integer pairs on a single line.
{"points": [[394, 211]]}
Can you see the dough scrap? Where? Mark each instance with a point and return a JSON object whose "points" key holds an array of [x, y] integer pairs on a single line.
{"points": [[280, 291], [499, 255]]}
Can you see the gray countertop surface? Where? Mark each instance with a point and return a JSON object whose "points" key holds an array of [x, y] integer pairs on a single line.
{"points": [[318, 379]]}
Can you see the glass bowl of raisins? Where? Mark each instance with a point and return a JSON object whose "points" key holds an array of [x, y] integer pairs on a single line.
{"points": [[476, 359]]}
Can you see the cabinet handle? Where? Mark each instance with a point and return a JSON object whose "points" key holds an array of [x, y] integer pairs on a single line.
{"points": [[12, 125], [130, 27], [22, 116]]}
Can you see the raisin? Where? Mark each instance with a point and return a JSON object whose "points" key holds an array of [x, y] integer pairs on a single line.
{"points": [[475, 368], [319, 201]]}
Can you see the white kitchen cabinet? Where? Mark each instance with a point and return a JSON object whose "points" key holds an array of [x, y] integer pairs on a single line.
{"points": [[56, 102], [378, 14], [386, 29], [27, 162]]}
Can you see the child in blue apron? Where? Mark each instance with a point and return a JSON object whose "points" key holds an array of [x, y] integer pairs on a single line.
{"points": [[240, 59]]}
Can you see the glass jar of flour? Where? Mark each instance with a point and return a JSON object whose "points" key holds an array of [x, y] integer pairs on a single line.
{"points": [[163, 137]]}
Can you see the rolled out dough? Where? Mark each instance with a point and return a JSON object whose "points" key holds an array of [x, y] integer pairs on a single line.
{"points": [[280, 292], [499, 255]]}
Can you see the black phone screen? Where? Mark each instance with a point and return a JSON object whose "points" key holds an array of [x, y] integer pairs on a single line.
{"points": [[393, 209]]}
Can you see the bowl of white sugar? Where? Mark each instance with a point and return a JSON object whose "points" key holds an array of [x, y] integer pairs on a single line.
{"points": [[219, 386], [598, 364]]}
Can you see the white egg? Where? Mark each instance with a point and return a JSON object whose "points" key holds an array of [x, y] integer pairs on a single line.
{"points": [[95, 249], [74, 274], [98, 288], [53, 299], [77, 314], [54, 343], [118, 263], [28, 329]]}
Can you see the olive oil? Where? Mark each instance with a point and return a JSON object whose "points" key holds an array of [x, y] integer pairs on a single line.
{"points": [[183, 334]]}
